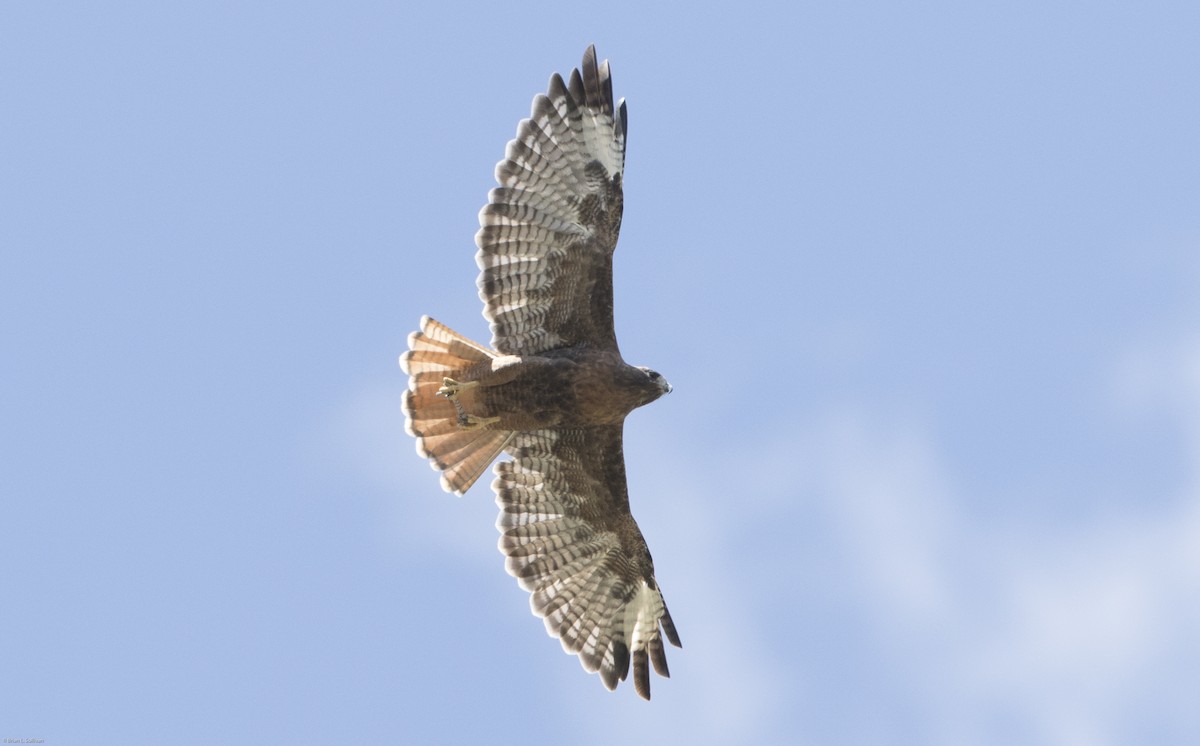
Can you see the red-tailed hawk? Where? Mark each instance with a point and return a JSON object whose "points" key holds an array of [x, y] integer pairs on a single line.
{"points": [[554, 392]]}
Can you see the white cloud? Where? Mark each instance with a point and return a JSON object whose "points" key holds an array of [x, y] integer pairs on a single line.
{"points": [[891, 501], [1162, 378], [1067, 632]]}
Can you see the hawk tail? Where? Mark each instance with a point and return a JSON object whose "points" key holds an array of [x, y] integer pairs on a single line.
{"points": [[437, 352]]}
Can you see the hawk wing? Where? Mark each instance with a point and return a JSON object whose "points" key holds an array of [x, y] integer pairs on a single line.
{"points": [[572, 542], [548, 232]]}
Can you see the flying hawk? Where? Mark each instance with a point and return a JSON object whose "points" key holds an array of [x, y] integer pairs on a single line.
{"points": [[554, 391]]}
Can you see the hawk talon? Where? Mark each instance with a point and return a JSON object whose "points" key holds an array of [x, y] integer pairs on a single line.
{"points": [[450, 388], [471, 422]]}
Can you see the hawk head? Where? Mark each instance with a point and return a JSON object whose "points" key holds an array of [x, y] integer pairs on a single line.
{"points": [[658, 385]]}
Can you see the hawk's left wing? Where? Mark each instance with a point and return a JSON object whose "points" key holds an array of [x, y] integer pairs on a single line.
{"points": [[572, 542], [548, 232]]}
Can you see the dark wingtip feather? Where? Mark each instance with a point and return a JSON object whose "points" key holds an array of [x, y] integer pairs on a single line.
{"points": [[575, 86], [658, 657], [589, 65], [595, 83], [668, 627], [621, 659], [556, 89], [606, 86], [641, 674], [619, 669]]}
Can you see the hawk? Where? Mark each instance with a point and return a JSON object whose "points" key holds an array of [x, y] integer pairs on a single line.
{"points": [[553, 390]]}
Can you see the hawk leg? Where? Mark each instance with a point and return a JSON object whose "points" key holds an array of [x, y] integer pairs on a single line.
{"points": [[450, 389]]}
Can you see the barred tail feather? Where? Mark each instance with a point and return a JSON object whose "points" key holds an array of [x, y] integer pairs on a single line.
{"points": [[437, 352]]}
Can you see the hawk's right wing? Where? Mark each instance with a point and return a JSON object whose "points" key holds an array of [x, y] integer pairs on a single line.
{"points": [[572, 542]]}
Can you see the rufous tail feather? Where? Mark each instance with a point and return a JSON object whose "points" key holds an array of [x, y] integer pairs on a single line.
{"points": [[437, 352]]}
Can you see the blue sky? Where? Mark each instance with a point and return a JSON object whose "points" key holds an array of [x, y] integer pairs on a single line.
{"points": [[924, 279]]}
